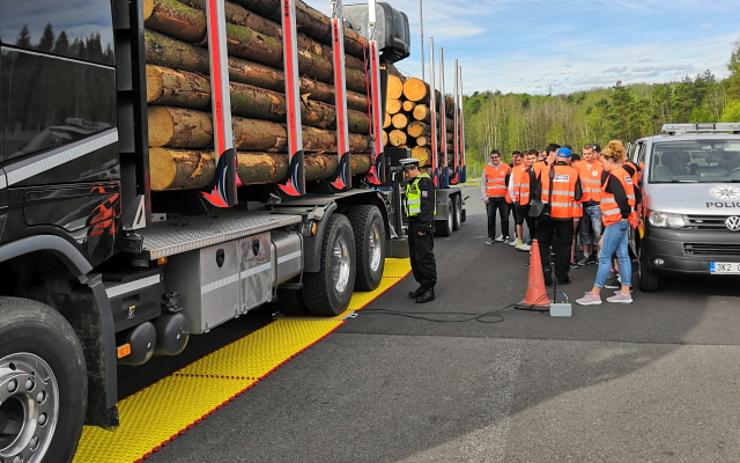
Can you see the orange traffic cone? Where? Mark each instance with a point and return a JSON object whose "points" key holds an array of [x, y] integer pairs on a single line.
{"points": [[536, 296]]}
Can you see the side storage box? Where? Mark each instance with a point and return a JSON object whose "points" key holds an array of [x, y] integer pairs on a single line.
{"points": [[256, 271], [208, 281]]}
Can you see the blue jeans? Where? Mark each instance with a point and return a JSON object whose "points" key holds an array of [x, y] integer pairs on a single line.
{"points": [[615, 241], [591, 225]]}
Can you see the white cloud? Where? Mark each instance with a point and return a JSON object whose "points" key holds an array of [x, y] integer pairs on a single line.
{"points": [[576, 67]]}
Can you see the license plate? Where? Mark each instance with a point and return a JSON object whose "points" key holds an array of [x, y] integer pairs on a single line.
{"points": [[724, 268]]}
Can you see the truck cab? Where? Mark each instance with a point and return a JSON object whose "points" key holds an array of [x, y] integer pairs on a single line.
{"points": [[691, 205]]}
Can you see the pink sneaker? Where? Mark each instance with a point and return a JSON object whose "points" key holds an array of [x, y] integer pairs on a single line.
{"points": [[589, 299], [620, 298]]}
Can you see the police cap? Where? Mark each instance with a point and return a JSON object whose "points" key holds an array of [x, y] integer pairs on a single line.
{"points": [[409, 163]]}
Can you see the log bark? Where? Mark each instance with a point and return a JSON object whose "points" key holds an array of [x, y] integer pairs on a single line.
{"points": [[408, 106], [176, 19], [166, 51], [311, 22], [423, 154], [187, 128], [394, 87], [397, 137], [418, 129], [416, 90], [240, 16], [392, 106], [167, 86], [422, 113], [173, 169], [176, 88], [399, 121]]}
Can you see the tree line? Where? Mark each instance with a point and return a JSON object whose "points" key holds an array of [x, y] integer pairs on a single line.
{"points": [[512, 121]]}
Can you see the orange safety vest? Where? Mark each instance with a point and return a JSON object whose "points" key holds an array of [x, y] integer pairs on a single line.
{"points": [[610, 213], [590, 175], [637, 176], [522, 188], [564, 202], [496, 181]]}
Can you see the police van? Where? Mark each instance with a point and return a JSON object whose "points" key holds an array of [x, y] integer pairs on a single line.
{"points": [[691, 202]]}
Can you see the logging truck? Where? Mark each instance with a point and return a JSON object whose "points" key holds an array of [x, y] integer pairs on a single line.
{"points": [[169, 165]]}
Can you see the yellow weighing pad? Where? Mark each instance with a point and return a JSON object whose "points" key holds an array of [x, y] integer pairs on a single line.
{"points": [[158, 414]]}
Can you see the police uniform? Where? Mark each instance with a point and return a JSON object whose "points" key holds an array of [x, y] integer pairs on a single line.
{"points": [[420, 207], [555, 227]]}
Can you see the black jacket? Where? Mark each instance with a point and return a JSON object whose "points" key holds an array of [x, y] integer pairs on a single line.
{"points": [[426, 185]]}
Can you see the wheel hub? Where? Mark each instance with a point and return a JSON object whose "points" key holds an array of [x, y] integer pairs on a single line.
{"points": [[29, 407], [340, 267], [375, 248]]}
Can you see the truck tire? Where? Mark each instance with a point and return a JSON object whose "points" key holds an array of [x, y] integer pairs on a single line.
{"points": [[367, 223], [43, 383], [457, 214], [649, 280], [327, 292], [444, 227]]}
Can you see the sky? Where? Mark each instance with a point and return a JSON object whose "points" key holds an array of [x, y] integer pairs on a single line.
{"points": [[563, 46]]}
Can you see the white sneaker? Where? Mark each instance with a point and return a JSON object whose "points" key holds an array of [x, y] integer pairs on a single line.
{"points": [[500, 238], [489, 241], [524, 247], [515, 242]]}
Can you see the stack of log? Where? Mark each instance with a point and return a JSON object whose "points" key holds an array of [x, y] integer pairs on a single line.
{"points": [[408, 116], [178, 93]]}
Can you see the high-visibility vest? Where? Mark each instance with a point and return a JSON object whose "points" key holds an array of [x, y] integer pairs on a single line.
{"points": [[637, 175], [496, 181], [610, 212], [521, 187], [590, 175], [563, 205], [413, 197]]}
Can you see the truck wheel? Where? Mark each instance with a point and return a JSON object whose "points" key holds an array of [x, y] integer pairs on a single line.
{"points": [[444, 227], [369, 229], [43, 383], [457, 215], [327, 292], [649, 281]]}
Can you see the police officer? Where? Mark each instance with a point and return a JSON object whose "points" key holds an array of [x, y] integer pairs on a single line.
{"points": [[420, 207]]}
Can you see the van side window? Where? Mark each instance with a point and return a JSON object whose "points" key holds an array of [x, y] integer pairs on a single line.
{"points": [[79, 29]]}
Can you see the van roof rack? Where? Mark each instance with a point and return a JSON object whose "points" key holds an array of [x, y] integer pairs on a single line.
{"points": [[713, 127]]}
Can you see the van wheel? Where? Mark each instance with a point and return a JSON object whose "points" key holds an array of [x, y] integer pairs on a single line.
{"points": [[43, 383], [369, 231], [649, 280], [444, 227], [327, 292]]}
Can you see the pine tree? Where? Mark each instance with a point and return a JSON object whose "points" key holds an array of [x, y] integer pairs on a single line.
{"points": [[24, 38], [61, 47], [47, 39]]}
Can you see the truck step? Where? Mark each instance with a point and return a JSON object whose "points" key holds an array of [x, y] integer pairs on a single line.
{"points": [[182, 234]]}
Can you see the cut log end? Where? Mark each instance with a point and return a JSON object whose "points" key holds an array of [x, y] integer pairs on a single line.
{"points": [[408, 106], [422, 141], [421, 112], [415, 89], [154, 85], [161, 126], [395, 87], [423, 154], [162, 168], [148, 9], [397, 137], [399, 121], [387, 121], [393, 106]]}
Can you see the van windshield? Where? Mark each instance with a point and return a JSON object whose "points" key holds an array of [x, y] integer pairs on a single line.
{"points": [[695, 161]]}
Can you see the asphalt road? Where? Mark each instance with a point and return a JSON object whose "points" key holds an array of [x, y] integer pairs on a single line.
{"points": [[654, 381]]}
